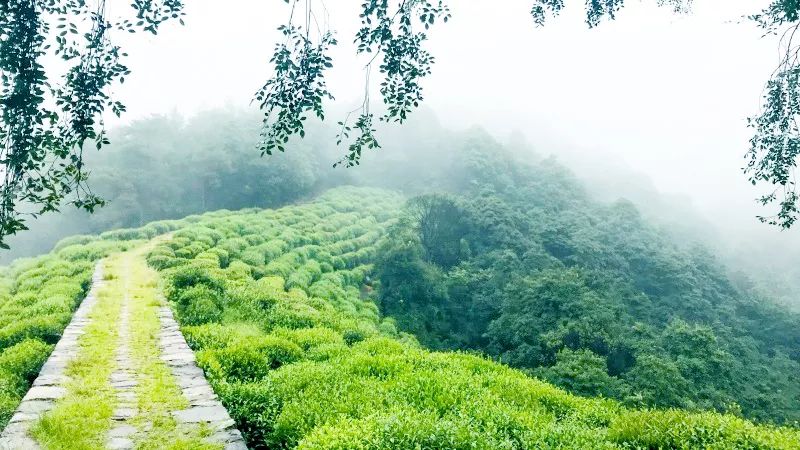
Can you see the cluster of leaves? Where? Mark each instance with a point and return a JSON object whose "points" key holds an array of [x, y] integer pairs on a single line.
{"points": [[596, 10], [45, 120], [772, 157], [520, 263], [390, 32], [297, 87], [310, 363]]}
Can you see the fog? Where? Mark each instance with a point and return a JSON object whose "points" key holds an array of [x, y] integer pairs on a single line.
{"points": [[652, 93], [566, 212], [664, 95], [651, 107]]}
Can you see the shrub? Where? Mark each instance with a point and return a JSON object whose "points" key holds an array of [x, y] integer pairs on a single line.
{"points": [[402, 428], [51, 305], [260, 294], [308, 338], [252, 359], [21, 363], [73, 240], [47, 328], [353, 336], [254, 407], [215, 335], [161, 262], [199, 304], [677, 429], [252, 258], [8, 404], [187, 276]]}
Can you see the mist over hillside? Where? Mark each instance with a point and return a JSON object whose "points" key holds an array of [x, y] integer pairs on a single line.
{"points": [[168, 167]]}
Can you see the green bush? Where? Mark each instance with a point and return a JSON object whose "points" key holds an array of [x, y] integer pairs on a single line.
{"points": [[252, 359], [308, 338], [188, 276], [254, 407], [47, 328], [73, 240], [20, 364], [215, 335], [353, 336], [199, 304], [682, 430], [8, 404]]}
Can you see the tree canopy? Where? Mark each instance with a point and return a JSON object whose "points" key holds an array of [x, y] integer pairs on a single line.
{"points": [[48, 114]]}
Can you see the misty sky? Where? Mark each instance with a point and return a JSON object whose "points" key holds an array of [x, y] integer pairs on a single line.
{"points": [[663, 94]]}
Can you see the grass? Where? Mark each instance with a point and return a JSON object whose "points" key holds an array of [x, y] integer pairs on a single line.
{"points": [[82, 418], [157, 392]]}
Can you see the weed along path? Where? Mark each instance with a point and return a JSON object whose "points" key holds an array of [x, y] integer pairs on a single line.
{"points": [[122, 376]]}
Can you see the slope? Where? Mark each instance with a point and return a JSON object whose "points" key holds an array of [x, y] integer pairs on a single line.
{"points": [[279, 308]]}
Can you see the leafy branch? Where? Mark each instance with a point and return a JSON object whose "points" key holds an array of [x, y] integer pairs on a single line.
{"points": [[45, 120]]}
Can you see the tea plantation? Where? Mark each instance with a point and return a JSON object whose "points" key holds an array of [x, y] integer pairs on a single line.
{"points": [[280, 309]]}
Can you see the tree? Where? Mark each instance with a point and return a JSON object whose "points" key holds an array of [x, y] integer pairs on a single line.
{"points": [[442, 226], [46, 119], [582, 372]]}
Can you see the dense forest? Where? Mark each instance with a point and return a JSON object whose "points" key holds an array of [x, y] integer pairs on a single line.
{"points": [[518, 262]]}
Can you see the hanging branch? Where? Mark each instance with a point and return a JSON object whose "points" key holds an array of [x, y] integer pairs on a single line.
{"points": [[298, 87], [44, 119]]}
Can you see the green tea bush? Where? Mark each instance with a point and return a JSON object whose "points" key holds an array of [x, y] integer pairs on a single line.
{"points": [[273, 249], [20, 364], [215, 335], [47, 328], [252, 257], [309, 338], [187, 276], [252, 359], [80, 239], [253, 406], [676, 429], [199, 304]]}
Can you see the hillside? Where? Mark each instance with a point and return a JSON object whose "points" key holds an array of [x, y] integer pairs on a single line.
{"points": [[519, 262], [280, 309]]}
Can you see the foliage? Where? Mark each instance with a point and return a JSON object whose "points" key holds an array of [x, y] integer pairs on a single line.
{"points": [[298, 86], [316, 366], [586, 295], [45, 120]]}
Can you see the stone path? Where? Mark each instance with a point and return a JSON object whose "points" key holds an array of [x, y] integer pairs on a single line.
{"points": [[124, 382], [48, 386], [204, 406]]}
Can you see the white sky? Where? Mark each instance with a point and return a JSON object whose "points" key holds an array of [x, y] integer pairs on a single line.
{"points": [[666, 95]]}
